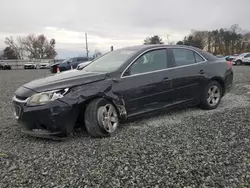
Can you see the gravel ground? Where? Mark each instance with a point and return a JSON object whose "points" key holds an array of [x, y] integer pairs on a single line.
{"points": [[184, 148]]}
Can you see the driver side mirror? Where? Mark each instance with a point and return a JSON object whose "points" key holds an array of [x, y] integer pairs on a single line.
{"points": [[127, 72]]}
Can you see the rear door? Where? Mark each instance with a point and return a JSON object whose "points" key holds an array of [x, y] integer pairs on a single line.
{"points": [[145, 84], [188, 74]]}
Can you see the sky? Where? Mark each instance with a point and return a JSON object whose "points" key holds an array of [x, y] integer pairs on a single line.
{"points": [[117, 23]]}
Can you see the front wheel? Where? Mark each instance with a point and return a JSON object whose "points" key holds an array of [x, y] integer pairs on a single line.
{"points": [[101, 118], [238, 62], [212, 96]]}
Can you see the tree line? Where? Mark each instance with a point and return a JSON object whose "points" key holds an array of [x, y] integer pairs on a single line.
{"points": [[31, 46], [223, 41]]}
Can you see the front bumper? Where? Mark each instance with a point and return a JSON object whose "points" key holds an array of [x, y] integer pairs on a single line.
{"points": [[55, 119]]}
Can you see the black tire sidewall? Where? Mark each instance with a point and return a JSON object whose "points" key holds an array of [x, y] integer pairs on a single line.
{"points": [[204, 103]]}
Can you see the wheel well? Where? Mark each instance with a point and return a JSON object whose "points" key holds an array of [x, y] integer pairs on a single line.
{"points": [[222, 84], [83, 105]]}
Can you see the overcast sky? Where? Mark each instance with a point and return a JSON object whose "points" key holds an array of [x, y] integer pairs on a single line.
{"points": [[116, 22]]}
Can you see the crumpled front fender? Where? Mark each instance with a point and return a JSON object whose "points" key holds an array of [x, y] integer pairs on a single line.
{"points": [[84, 93]]}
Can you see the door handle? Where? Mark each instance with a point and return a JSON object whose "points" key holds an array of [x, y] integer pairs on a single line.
{"points": [[201, 72], [166, 79]]}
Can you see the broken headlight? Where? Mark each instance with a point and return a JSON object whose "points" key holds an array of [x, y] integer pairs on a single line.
{"points": [[45, 97]]}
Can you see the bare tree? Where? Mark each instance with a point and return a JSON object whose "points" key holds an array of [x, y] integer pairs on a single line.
{"points": [[222, 41], [9, 41], [38, 47], [1, 55], [153, 40], [97, 53]]}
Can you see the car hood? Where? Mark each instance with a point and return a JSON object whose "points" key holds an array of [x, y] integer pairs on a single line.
{"points": [[64, 80]]}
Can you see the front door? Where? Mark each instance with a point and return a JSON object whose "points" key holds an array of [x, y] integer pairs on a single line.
{"points": [[146, 85]]}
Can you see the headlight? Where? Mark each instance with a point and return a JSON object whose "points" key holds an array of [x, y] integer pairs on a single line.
{"points": [[45, 97]]}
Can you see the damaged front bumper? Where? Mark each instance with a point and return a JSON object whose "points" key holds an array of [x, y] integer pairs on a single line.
{"points": [[54, 119]]}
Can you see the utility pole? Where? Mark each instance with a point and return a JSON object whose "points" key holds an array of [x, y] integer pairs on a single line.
{"points": [[168, 38], [87, 50], [111, 48]]}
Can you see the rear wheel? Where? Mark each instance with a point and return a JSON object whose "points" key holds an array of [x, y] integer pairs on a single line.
{"points": [[101, 118], [212, 96]]}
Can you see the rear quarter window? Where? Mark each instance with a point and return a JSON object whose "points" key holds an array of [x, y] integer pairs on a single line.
{"points": [[208, 56]]}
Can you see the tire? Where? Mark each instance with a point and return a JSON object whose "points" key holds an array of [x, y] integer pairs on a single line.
{"points": [[94, 118], [205, 104], [238, 62]]}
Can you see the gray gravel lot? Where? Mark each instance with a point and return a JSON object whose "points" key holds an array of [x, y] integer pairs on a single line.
{"points": [[183, 148]]}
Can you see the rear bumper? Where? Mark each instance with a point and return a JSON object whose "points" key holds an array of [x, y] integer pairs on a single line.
{"points": [[53, 68], [228, 81]]}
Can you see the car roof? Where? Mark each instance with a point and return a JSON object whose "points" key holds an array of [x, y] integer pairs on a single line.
{"points": [[148, 46], [205, 54]]}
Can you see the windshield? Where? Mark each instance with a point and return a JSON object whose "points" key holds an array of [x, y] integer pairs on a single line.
{"points": [[66, 60], [110, 61], [242, 54]]}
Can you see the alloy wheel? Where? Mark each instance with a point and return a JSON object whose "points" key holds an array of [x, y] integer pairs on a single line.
{"points": [[108, 118], [213, 95]]}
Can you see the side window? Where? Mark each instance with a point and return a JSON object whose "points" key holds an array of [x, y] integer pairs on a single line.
{"points": [[198, 58], [150, 61], [82, 59], [71, 60], [248, 55], [183, 57]]}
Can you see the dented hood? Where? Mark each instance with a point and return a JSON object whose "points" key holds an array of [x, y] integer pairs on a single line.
{"points": [[64, 80]]}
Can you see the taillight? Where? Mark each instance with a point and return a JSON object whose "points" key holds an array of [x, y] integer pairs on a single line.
{"points": [[230, 64]]}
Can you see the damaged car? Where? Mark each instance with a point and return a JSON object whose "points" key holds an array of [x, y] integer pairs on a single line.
{"points": [[120, 85]]}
